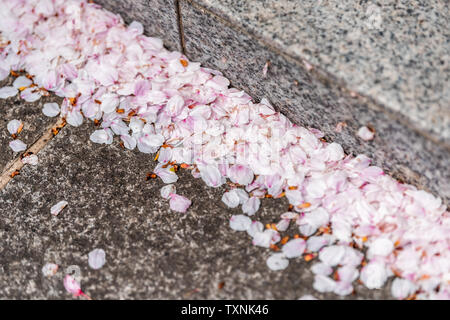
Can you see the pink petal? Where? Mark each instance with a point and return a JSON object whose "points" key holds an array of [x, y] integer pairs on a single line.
{"points": [[294, 248], [240, 222], [240, 174], [179, 203]]}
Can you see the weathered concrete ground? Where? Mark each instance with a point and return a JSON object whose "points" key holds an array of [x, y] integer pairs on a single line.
{"points": [[151, 251]]}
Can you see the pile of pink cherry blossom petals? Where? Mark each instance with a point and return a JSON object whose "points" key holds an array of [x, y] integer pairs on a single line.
{"points": [[159, 102]]}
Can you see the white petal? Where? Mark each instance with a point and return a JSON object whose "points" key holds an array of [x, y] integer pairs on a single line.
{"points": [[242, 195], [380, 247], [283, 225], [102, 136], [57, 208], [96, 258], [167, 190], [343, 288], [335, 152], [22, 82], [13, 126], [402, 288], [264, 239], [166, 175], [137, 27], [294, 248], [251, 206], [321, 269], [175, 105], [316, 243], [128, 141], [74, 118], [332, 255], [254, 228], [240, 222], [277, 261], [7, 92], [324, 284], [348, 274], [50, 109], [231, 199], [17, 146], [179, 203], [240, 174], [365, 133], [30, 94], [110, 102], [32, 159], [307, 297], [374, 275], [211, 176]]}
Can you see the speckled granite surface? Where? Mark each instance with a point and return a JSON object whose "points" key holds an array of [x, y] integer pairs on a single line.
{"points": [[34, 122], [159, 17], [396, 52], [404, 153], [151, 251]]}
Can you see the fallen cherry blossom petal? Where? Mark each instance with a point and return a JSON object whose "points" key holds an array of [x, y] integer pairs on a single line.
{"points": [[324, 284], [30, 94], [348, 274], [32, 159], [231, 199], [17, 145], [240, 174], [332, 255], [343, 288], [315, 243], [254, 228], [50, 109], [57, 208], [277, 261], [283, 225], [179, 203], [380, 247], [96, 258], [72, 286], [166, 175], [13, 126], [240, 222], [251, 206], [321, 268], [7, 92], [294, 248], [374, 275], [264, 239], [365, 133], [307, 297], [103, 136], [22, 82], [402, 288], [167, 190]]}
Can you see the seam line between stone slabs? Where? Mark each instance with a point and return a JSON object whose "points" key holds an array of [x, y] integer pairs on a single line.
{"points": [[37, 146], [325, 77], [180, 27]]}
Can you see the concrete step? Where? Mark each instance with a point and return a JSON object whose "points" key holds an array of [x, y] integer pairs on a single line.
{"points": [[385, 66]]}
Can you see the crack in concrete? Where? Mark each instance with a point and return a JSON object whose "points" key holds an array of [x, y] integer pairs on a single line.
{"points": [[180, 27], [13, 168]]}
